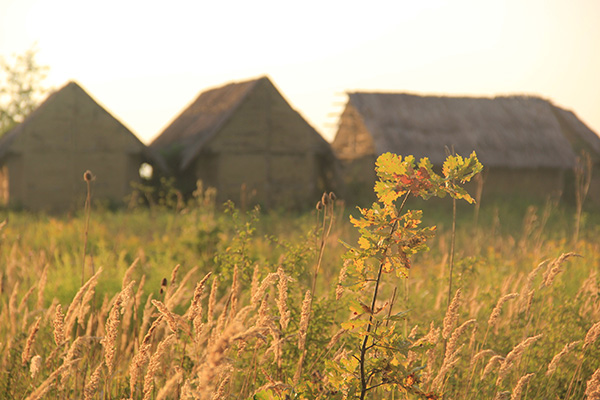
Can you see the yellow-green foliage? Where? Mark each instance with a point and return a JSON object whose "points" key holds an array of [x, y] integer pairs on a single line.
{"points": [[199, 302]]}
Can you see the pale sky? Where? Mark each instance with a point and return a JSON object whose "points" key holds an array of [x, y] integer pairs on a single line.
{"points": [[144, 61]]}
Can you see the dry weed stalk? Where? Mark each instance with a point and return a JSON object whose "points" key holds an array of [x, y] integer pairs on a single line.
{"points": [[451, 345], [212, 300], [449, 363], [592, 335], [451, 315], [303, 328], [138, 296], [518, 390], [45, 386], [555, 267], [502, 395], [216, 352], [194, 313], [255, 281], [492, 363], [196, 304], [592, 390], [481, 355], [154, 364], [432, 337], [171, 318], [173, 382], [181, 292], [261, 289], [142, 356], [284, 313], [24, 299], [172, 281], [496, 311], [26, 355], [339, 289], [112, 327], [76, 303], [219, 394], [91, 386], [220, 326], [514, 356], [73, 354], [235, 291], [12, 308], [129, 272], [556, 359]]}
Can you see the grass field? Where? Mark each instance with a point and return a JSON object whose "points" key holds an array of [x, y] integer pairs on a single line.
{"points": [[207, 302]]}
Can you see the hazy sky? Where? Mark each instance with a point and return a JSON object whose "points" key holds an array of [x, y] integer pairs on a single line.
{"points": [[146, 60]]}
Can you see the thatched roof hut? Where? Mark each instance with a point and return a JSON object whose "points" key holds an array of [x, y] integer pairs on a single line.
{"points": [[245, 140], [527, 143], [42, 160]]}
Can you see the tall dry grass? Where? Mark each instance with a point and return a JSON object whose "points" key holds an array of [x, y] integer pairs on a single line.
{"points": [[522, 324]]}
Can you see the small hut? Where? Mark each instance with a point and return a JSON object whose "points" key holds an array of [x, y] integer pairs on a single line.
{"points": [[43, 159], [245, 140], [527, 145]]}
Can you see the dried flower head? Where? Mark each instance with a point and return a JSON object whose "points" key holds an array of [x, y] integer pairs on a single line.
{"points": [[88, 176], [35, 366], [59, 326]]}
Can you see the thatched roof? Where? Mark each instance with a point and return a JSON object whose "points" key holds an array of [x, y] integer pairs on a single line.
{"points": [[201, 121], [516, 131], [72, 95]]}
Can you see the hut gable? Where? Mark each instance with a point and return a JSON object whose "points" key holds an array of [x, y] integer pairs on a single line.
{"points": [[199, 122], [43, 159], [247, 141]]}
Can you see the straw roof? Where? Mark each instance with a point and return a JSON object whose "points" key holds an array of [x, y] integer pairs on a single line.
{"points": [[516, 131], [203, 119]]}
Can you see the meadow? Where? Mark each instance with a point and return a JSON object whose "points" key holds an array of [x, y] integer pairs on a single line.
{"points": [[199, 300]]}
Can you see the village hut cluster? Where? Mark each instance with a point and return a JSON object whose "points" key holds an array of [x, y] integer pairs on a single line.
{"points": [[245, 140]]}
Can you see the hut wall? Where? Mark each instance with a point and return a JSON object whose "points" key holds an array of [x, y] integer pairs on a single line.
{"points": [[593, 197], [521, 183], [499, 183], [13, 183], [266, 153]]}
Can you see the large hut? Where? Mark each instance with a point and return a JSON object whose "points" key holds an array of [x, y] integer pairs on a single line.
{"points": [[43, 159], [245, 140], [528, 145]]}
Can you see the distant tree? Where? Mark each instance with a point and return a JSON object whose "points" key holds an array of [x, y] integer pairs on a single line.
{"points": [[21, 87]]}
